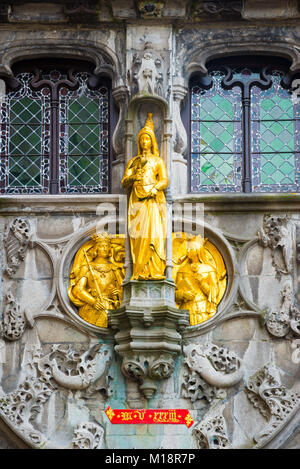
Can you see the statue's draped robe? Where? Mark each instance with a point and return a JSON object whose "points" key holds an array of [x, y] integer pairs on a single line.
{"points": [[147, 216], [201, 280]]}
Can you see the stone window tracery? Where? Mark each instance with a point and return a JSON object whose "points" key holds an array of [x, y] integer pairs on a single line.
{"points": [[55, 128], [244, 128]]}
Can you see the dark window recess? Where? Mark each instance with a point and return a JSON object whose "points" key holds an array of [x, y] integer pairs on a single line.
{"points": [[55, 130], [244, 128]]}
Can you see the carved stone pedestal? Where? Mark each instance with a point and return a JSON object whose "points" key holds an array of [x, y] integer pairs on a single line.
{"points": [[149, 329]]}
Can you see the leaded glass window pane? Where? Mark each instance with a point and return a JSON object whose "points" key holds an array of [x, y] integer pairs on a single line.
{"points": [[275, 141], [54, 133], [83, 138], [216, 138], [24, 143]]}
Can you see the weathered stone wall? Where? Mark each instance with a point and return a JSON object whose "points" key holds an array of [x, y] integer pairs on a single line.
{"points": [[243, 387]]}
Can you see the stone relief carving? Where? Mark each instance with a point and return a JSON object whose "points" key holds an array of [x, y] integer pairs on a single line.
{"points": [[150, 9], [21, 407], [196, 388], [14, 320], [216, 8], [62, 368], [146, 368], [211, 433], [218, 366], [275, 234], [16, 243], [66, 368], [280, 323], [276, 403], [88, 435], [147, 71]]}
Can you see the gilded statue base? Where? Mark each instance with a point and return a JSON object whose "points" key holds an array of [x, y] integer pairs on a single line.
{"points": [[149, 328]]}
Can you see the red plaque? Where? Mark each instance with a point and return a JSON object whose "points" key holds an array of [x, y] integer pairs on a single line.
{"points": [[162, 416]]}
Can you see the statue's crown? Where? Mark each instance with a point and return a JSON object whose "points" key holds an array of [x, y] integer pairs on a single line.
{"points": [[101, 237]]}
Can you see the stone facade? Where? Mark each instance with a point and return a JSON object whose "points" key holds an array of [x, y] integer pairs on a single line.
{"points": [[237, 373]]}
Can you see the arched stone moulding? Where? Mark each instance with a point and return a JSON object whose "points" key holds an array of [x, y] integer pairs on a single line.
{"points": [[197, 59], [232, 268], [63, 274], [105, 59]]}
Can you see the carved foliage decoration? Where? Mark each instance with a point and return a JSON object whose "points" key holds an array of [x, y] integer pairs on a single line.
{"points": [[275, 234], [67, 368], [145, 368], [61, 368], [150, 9], [217, 366], [211, 433], [272, 399], [88, 435], [217, 8], [22, 406], [13, 321], [280, 323], [16, 243]]}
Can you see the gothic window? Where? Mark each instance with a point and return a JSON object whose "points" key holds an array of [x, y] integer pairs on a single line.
{"points": [[55, 130], [244, 128]]}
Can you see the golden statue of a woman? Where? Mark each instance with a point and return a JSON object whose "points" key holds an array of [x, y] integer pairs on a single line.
{"points": [[146, 177]]}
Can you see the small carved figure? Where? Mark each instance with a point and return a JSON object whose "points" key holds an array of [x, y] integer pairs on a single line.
{"points": [[96, 278], [146, 177], [200, 279]]}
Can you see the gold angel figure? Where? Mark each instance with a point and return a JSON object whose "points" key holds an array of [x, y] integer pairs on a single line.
{"points": [[146, 178], [200, 276], [96, 278]]}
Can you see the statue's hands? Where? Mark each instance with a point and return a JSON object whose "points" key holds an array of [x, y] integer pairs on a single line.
{"points": [[188, 295], [98, 304], [114, 291], [153, 192]]}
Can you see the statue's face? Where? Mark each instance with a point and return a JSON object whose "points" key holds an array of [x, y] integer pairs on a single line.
{"points": [[145, 142], [103, 249]]}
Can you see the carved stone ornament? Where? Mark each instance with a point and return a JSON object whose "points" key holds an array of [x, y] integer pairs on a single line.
{"points": [[147, 72], [280, 323], [66, 368], [218, 366], [16, 243], [148, 352], [150, 9], [88, 435], [216, 8], [211, 433], [275, 234], [273, 400], [62, 368], [13, 320]]}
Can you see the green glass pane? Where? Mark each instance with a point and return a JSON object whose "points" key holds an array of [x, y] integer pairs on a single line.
{"points": [[25, 110], [218, 169], [216, 108], [25, 140], [84, 139], [83, 171], [83, 109], [216, 137], [277, 136], [24, 171], [277, 107], [278, 169]]}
